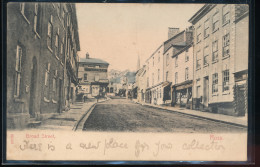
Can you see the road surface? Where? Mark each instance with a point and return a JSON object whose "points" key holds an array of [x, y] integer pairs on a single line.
{"points": [[122, 115]]}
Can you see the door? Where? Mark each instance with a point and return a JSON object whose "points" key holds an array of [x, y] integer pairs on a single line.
{"points": [[32, 88], [206, 91], [60, 100]]}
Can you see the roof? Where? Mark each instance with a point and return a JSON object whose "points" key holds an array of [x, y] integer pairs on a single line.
{"points": [[93, 61], [200, 13], [183, 49]]}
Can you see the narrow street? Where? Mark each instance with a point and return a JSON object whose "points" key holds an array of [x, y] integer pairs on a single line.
{"points": [[122, 115]]}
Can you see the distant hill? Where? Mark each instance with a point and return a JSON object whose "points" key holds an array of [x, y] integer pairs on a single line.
{"points": [[115, 76]]}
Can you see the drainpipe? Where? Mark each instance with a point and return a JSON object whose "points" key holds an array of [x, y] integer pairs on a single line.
{"points": [[65, 55]]}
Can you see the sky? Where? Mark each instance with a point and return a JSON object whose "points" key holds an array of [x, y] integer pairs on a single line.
{"points": [[119, 33]]}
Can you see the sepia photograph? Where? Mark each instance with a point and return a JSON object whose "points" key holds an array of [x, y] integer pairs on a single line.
{"points": [[127, 81]]}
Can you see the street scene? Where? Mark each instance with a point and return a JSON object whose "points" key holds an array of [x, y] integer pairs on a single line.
{"points": [[71, 67]]}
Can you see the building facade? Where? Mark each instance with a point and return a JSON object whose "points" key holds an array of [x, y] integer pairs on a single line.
{"points": [[37, 40], [93, 77], [214, 57], [155, 76]]}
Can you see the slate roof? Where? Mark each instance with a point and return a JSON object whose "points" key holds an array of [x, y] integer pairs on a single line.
{"points": [[93, 61]]}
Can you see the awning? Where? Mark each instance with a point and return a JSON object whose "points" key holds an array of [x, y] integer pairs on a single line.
{"points": [[184, 85]]}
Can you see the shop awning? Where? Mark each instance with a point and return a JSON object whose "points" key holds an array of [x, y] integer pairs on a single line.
{"points": [[184, 85]]}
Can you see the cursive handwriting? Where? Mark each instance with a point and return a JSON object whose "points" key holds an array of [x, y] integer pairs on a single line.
{"points": [[31, 146], [140, 147], [90, 145], [112, 143], [196, 145], [161, 147]]}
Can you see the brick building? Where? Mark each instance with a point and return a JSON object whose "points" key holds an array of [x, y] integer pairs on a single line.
{"points": [[93, 76], [216, 45], [38, 36]]}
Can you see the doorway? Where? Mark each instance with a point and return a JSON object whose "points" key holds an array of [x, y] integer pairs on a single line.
{"points": [[33, 88], [60, 100], [206, 92]]}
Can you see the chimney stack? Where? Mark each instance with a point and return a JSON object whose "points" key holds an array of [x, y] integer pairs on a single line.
{"points": [[87, 56], [172, 32]]}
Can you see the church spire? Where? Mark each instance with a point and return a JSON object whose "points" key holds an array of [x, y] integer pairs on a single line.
{"points": [[138, 63]]}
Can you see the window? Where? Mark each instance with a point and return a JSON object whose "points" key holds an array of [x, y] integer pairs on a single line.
{"points": [[176, 77], [187, 73], [56, 45], [226, 14], [215, 22], [167, 75], [215, 51], [198, 92], [187, 55], [61, 50], [96, 78], [46, 80], [58, 9], [147, 81], [18, 69], [36, 19], [158, 75], [226, 45], [24, 11], [198, 32], [50, 31], [176, 61], [167, 59], [206, 28], [225, 80], [54, 82], [215, 83], [85, 77], [206, 56], [153, 78], [198, 60]]}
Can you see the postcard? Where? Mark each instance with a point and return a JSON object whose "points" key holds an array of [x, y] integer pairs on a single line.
{"points": [[127, 82]]}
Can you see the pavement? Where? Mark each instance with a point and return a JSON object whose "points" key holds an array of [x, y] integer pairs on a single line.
{"points": [[68, 120], [242, 121]]}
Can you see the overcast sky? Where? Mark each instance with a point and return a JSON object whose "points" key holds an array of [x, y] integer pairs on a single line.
{"points": [[118, 33]]}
